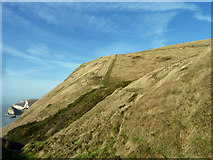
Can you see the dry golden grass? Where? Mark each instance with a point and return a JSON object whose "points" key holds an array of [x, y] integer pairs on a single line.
{"points": [[164, 112]]}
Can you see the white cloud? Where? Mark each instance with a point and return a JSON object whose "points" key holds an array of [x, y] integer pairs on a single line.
{"points": [[86, 15], [43, 64], [27, 71], [155, 25], [127, 7], [155, 17], [43, 51], [202, 17], [159, 42], [138, 7], [39, 50], [64, 64], [10, 17], [69, 15], [32, 29], [6, 49], [158, 22]]}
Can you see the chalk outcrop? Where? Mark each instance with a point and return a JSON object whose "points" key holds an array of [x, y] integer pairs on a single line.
{"points": [[20, 107]]}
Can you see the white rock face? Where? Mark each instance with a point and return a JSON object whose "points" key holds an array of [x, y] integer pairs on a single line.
{"points": [[19, 108]]}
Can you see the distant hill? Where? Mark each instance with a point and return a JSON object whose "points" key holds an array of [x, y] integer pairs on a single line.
{"points": [[149, 104]]}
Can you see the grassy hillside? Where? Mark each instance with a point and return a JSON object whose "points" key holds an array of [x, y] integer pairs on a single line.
{"points": [[153, 103], [41, 130]]}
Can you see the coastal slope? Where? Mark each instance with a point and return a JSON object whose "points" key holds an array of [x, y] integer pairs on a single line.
{"points": [[154, 103]]}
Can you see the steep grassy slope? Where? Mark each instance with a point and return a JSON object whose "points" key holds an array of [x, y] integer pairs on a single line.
{"points": [[84, 79], [114, 68], [164, 112], [41, 130]]}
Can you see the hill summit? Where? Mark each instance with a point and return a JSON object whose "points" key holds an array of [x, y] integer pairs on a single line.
{"points": [[149, 104]]}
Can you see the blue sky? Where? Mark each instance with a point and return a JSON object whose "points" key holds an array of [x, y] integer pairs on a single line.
{"points": [[42, 43]]}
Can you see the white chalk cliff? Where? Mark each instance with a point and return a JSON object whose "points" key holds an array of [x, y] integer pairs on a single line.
{"points": [[19, 108]]}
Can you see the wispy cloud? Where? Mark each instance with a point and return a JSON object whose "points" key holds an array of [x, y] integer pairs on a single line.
{"points": [[27, 71], [43, 64], [39, 50], [136, 7], [158, 22], [14, 52], [33, 30], [10, 17], [87, 15], [64, 64], [155, 26], [69, 16], [159, 42], [153, 17], [200, 16]]}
